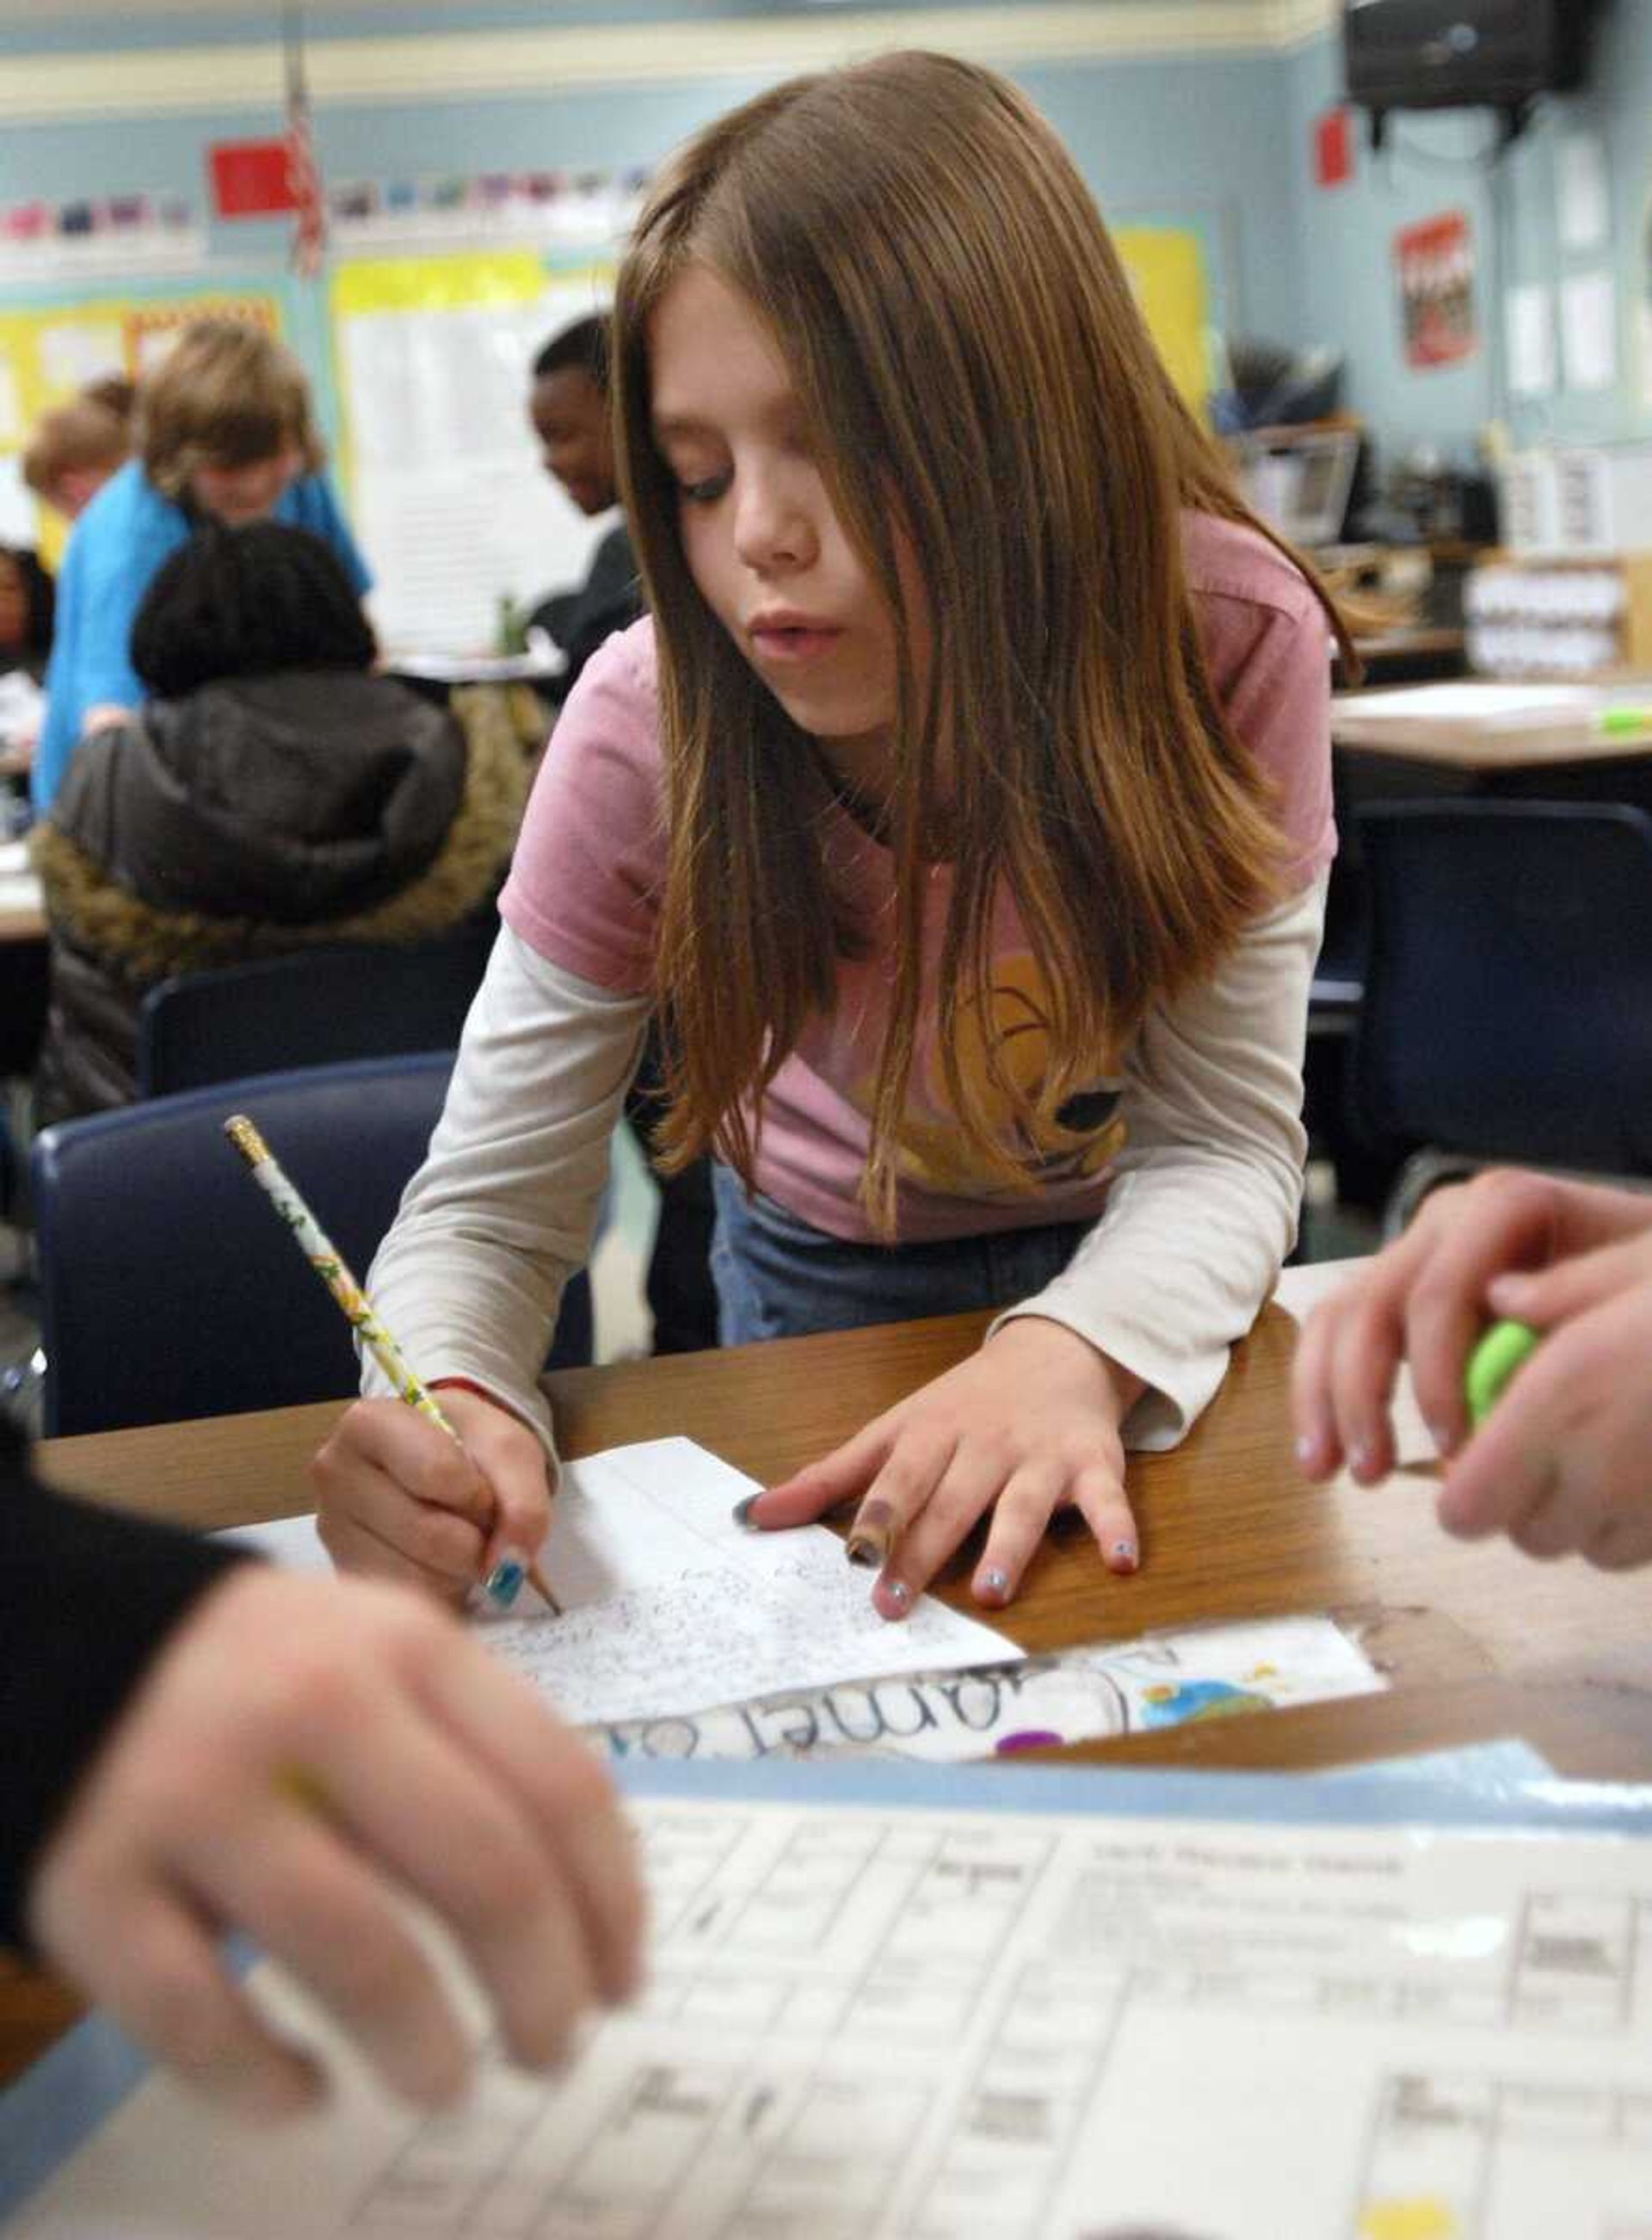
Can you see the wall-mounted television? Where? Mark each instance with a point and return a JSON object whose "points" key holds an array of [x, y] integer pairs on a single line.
{"points": [[1450, 54]]}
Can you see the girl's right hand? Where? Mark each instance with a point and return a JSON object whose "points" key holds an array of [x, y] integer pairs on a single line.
{"points": [[396, 1497]]}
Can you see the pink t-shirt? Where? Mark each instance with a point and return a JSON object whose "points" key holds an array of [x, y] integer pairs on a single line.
{"points": [[584, 886]]}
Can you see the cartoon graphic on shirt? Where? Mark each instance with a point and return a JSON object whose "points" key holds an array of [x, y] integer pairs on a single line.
{"points": [[1084, 1135]]}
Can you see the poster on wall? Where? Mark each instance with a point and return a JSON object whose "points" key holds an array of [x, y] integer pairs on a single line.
{"points": [[448, 495], [1434, 261], [1166, 268]]}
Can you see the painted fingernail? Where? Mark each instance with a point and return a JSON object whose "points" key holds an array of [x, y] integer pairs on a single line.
{"points": [[869, 1538], [897, 1591], [743, 1516], [1124, 1555], [504, 1582], [993, 1584], [1308, 1451], [1359, 1457]]}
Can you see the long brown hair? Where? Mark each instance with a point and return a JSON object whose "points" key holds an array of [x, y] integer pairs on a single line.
{"points": [[963, 341]]}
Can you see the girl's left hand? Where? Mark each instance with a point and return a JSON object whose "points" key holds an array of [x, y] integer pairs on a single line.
{"points": [[1028, 1425]]}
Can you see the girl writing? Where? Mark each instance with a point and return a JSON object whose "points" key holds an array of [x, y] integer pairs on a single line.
{"points": [[963, 806]]}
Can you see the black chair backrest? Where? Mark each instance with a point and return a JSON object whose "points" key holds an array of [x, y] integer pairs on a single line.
{"points": [[1508, 1004], [315, 1007], [168, 1287]]}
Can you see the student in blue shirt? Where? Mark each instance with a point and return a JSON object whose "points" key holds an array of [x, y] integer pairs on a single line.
{"points": [[223, 427]]}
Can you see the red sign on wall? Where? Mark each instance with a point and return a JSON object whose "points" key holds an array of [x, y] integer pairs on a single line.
{"points": [[1332, 149], [1434, 260], [251, 178]]}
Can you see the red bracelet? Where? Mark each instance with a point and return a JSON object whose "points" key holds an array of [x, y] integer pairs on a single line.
{"points": [[465, 1385], [469, 1385]]}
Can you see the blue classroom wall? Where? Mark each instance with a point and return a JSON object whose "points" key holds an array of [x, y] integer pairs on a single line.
{"points": [[1440, 161], [1216, 141], [1126, 121]]}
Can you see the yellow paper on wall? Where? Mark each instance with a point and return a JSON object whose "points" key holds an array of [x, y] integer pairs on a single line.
{"points": [[437, 283], [1166, 268]]}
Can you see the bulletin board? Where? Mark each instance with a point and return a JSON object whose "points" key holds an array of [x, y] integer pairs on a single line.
{"points": [[48, 351], [1167, 267], [432, 358]]}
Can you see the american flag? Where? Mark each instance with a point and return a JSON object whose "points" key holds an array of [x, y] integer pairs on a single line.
{"points": [[309, 207]]}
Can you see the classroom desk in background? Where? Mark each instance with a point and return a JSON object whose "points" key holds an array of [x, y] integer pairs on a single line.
{"points": [[23, 908], [24, 969], [1478, 1642], [22, 926], [1501, 733]]}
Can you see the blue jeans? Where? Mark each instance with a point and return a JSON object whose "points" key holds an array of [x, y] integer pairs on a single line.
{"points": [[777, 1277]]}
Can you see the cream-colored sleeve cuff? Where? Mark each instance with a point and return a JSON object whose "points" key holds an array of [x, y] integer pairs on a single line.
{"points": [[1202, 1204]]}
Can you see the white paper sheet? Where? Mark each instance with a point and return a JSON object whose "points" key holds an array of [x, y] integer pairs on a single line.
{"points": [[1589, 330], [1582, 190], [1528, 329], [866, 2024], [670, 1606], [449, 498]]}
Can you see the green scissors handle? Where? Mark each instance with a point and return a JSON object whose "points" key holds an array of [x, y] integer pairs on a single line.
{"points": [[1502, 1350]]}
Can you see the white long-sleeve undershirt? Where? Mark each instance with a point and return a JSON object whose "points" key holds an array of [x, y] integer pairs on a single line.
{"points": [[1202, 1205]]}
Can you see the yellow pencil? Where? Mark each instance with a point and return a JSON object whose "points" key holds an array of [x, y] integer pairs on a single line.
{"points": [[329, 1264]]}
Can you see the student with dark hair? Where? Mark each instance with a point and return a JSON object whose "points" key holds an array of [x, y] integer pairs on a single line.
{"points": [[166, 1711], [27, 602], [251, 602], [568, 406], [274, 792]]}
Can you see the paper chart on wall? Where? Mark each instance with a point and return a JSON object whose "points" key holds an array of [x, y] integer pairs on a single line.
{"points": [[1589, 330], [670, 1606], [865, 2022], [449, 495]]}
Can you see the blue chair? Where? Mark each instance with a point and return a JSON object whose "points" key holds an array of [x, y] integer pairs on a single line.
{"points": [[315, 1007], [167, 1287], [1508, 1006]]}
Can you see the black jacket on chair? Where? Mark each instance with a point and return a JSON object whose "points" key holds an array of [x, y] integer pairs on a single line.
{"points": [[250, 819]]}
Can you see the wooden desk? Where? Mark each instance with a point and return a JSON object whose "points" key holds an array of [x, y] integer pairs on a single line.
{"points": [[1478, 1641], [1478, 725], [1229, 1530]]}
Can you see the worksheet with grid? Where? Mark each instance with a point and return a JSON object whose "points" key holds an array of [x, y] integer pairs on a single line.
{"points": [[871, 2019]]}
